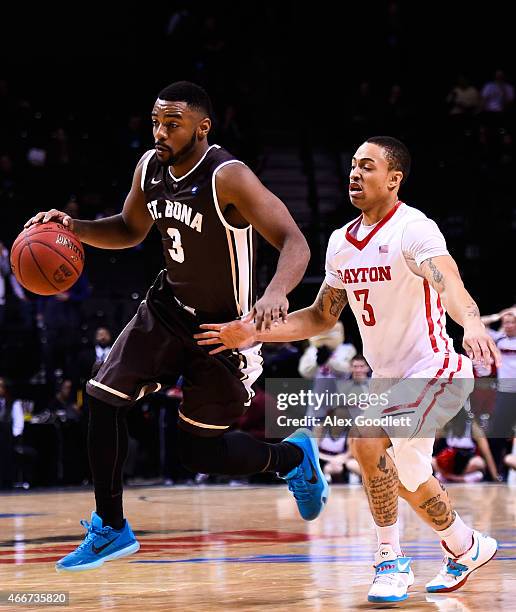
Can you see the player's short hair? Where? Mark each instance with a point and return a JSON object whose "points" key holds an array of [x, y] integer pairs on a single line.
{"points": [[192, 94], [396, 152]]}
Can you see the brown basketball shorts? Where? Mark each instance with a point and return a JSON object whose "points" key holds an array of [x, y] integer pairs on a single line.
{"points": [[157, 346]]}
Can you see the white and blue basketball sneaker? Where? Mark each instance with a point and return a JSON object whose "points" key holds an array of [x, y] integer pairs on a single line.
{"points": [[100, 544], [456, 570], [393, 576], [307, 481]]}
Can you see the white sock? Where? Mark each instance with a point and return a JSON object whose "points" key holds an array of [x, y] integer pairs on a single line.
{"points": [[389, 535], [458, 537]]}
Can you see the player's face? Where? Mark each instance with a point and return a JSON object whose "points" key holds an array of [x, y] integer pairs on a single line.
{"points": [[177, 130], [370, 180]]}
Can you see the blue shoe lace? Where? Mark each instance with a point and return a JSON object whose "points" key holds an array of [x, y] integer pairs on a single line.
{"points": [[92, 534], [297, 485], [454, 568]]}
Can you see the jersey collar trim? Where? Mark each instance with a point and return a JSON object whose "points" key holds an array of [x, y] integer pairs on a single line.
{"points": [[352, 229], [214, 146]]}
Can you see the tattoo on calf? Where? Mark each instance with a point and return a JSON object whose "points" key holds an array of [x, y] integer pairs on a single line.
{"points": [[382, 491], [382, 465], [438, 510]]}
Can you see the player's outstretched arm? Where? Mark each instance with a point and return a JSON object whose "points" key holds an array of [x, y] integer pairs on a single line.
{"points": [[121, 231], [442, 273], [301, 324], [238, 186]]}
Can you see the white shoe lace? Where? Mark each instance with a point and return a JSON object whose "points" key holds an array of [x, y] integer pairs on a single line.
{"points": [[386, 579]]}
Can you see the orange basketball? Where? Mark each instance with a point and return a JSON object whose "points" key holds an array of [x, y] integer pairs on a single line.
{"points": [[47, 258]]}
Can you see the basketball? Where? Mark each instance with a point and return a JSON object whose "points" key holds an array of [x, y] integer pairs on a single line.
{"points": [[47, 258]]}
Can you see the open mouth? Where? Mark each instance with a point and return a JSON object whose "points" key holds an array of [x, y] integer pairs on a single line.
{"points": [[161, 149], [355, 188]]}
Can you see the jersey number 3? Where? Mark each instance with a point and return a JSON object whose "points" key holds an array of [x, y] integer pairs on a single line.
{"points": [[369, 319], [176, 252]]}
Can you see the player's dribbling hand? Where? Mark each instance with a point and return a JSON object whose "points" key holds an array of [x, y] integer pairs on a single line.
{"points": [[480, 347], [270, 309], [236, 334], [51, 215]]}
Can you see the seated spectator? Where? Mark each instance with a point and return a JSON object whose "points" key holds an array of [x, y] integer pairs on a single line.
{"points": [[7, 279], [91, 358], [326, 360], [6, 437], [463, 99], [334, 452], [64, 406], [503, 419], [359, 381], [498, 94], [466, 455], [510, 458], [11, 431], [327, 356]]}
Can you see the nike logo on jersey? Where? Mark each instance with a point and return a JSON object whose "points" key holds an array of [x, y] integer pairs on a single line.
{"points": [[365, 275], [155, 182], [98, 550]]}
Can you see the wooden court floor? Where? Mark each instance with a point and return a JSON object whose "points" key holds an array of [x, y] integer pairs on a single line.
{"points": [[242, 548]]}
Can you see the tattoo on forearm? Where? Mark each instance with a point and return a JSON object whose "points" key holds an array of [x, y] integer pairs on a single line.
{"points": [[336, 298], [472, 311], [437, 275], [382, 492], [439, 510]]}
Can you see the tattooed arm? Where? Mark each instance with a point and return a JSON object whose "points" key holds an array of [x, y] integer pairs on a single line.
{"points": [[301, 324], [443, 275]]}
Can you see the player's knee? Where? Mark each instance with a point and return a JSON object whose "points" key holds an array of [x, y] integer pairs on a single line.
{"points": [[367, 451], [403, 491]]}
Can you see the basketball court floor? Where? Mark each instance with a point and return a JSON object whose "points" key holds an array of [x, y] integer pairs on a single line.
{"points": [[244, 548]]}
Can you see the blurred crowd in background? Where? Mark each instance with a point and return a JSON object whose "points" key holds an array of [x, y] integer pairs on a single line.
{"points": [[73, 130]]}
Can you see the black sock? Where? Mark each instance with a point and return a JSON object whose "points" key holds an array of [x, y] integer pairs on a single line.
{"points": [[284, 457], [107, 451], [235, 453]]}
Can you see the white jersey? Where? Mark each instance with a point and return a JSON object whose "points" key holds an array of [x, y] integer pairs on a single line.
{"points": [[400, 316]]}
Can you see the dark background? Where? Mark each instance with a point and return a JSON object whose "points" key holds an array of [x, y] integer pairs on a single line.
{"points": [[290, 75]]}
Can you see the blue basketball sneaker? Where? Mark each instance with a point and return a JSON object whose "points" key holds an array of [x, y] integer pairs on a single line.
{"points": [[306, 481], [100, 544], [456, 570], [393, 576]]}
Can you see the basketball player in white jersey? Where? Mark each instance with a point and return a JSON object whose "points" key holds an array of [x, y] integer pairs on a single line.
{"points": [[392, 266]]}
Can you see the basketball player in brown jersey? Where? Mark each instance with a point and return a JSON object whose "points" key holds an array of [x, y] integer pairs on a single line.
{"points": [[205, 203]]}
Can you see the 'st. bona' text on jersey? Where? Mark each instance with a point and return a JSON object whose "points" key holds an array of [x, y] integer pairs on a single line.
{"points": [[209, 262]]}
